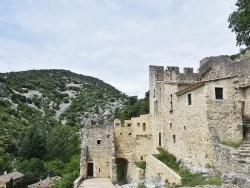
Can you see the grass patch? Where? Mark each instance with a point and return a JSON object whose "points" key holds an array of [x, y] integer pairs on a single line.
{"points": [[141, 164], [232, 144], [188, 178], [168, 159]]}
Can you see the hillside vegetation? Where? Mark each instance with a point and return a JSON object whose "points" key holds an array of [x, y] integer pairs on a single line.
{"points": [[133, 108], [41, 112]]}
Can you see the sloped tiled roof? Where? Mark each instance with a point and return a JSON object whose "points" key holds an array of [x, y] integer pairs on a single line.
{"points": [[48, 182], [14, 175]]}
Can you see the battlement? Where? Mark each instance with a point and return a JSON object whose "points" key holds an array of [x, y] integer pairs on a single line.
{"points": [[188, 70], [156, 72], [172, 73]]}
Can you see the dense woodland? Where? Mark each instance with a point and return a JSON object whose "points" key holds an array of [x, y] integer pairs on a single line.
{"points": [[37, 136]]}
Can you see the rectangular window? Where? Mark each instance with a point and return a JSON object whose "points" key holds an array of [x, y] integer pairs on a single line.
{"points": [[98, 142], [218, 93], [189, 99]]}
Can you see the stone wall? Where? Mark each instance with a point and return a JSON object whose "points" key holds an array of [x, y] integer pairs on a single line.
{"points": [[157, 168], [222, 66], [224, 115], [97, 143], [134, 174], [189, 131], [134, 138], [245, 102]]}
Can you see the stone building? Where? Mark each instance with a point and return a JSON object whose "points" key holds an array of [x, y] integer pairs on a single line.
{"points": [[97, 152], [191, 114], [12, 177]]}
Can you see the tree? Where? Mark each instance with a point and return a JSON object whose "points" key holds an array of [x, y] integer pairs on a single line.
{"points": [[239, 22], [63, 142], [33, 145]]}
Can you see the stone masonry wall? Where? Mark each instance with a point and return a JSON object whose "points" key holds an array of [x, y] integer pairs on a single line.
{"points": [[98, 144], [157, 168], [225, 115], [222, 66], [190, 129], [134, 138]]}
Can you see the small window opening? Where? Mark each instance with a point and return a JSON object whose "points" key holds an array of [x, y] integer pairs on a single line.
{"points": [[138, 124], [117, 124], [129, 134], [99, 170], [170, 125], [159, 139], [120, 133], [189, 99], [218, 93], [174, 139], [108, 136], [144, 126], [141, 158], [98, 142], [185, 128], [129, 124]]}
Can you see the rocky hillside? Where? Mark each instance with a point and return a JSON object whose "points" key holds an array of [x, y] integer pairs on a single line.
{"points": [[50, 97]]}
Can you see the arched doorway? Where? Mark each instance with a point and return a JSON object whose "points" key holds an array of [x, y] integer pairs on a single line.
{"points": [[122, 166]]}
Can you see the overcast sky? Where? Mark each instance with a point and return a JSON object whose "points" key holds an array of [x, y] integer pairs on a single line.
{"points": [[113, 40]]}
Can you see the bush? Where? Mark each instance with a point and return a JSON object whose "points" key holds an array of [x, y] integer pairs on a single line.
{"points": [[188, 178], [232, 144], [141, 164]]}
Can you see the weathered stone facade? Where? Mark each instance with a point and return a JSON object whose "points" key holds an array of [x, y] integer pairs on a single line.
{"points": [[190, 115], [97, 153]]}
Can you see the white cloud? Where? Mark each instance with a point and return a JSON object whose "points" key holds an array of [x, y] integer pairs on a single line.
{"points": [[113, 40]]}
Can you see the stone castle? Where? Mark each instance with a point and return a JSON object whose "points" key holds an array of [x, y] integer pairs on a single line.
{"points": [[191, 114]]}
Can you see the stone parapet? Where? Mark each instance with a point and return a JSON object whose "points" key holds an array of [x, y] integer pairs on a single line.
{"points": [[157, 168]]}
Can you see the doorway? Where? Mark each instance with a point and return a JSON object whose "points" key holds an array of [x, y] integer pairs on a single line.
{"points": [[90, 169], [122, 165]]}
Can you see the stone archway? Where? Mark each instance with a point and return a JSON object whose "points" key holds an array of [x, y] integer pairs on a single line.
{"points": [[122, 167]]}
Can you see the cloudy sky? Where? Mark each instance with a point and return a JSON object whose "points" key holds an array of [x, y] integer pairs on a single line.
{"points": [[113, 40]]}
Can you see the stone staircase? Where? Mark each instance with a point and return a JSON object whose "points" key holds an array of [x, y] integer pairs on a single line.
{"points": [[244, 152], [242, 157]]}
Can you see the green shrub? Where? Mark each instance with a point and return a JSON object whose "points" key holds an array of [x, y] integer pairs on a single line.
{"points": [[141, 164], [188, 178], [232, 144]]}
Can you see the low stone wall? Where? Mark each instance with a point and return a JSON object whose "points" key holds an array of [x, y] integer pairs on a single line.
{"points": [[157, 168], [134, 174]]}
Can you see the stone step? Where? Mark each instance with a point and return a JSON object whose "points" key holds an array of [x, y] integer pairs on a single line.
{"points": [[240, 160], [245, 145], [244, 148], [244, 155], [244, 151]]}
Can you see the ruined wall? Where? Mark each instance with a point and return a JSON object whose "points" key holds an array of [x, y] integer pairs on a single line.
{"points": [[224, 115], [97, 143], [221, 66], [124, 142], [133, 140]]}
